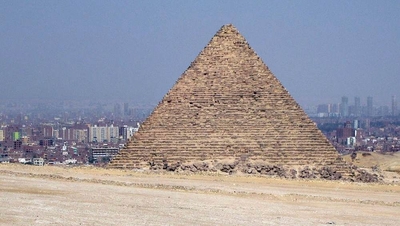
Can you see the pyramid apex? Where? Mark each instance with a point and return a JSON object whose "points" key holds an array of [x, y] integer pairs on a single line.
{"points": [[228, 27], [228, 32]]}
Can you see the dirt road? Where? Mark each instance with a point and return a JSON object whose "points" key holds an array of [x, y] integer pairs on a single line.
{"points": [[90, 196]]}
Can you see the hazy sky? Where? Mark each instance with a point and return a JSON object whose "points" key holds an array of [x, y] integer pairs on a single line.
{"points": [[136, 50]]}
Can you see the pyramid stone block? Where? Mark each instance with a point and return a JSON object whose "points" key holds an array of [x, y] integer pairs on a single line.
{"points": [[228, 110]]}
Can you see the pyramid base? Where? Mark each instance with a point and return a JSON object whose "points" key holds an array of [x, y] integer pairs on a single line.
{"points": [[339, 171]]}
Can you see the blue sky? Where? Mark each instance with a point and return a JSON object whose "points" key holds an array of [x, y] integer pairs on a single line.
{"points": [[136, 50]]}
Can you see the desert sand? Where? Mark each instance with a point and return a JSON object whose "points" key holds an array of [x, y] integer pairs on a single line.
{"points": [[50, 195]]}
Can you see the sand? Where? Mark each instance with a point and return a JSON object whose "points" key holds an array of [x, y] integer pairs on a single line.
{"points": [[52, 195]]}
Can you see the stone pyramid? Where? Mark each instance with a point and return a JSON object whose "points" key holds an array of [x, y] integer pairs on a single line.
{"points": [[228, 110]]}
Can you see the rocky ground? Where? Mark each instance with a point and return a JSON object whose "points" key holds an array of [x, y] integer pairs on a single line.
{"points": [[95, 196]]}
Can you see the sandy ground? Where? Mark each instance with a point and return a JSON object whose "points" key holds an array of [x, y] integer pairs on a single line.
{"points": [[386, 161], [51, 195]]}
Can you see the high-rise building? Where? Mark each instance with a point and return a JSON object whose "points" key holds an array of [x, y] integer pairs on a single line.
{"points": [[103, 133], [117, 109], [357, 106], [66, 133], [78, 133], [356, 124], [81, 135], [123, 131], [335, 108], [323, 108], [344, 107], [370, 108], [383, 111], [11, 133], [352, 111], [394, 106], [367, 123], [126, 109], [47, 131]]}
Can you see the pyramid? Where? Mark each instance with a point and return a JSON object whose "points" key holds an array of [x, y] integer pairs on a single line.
{"points": [[228, 110]]}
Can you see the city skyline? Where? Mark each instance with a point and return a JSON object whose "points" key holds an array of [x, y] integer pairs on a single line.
{"points": [[356, 108], [135, 51]]}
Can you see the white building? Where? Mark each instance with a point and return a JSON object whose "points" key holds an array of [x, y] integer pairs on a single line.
{"points": [[99, 153], [103, 133], [132, 130], [70, 161], [38, 161], [80, 135], [24, 160]]}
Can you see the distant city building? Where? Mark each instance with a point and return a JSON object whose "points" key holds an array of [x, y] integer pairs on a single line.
{"points": [[103, 154], [46, 142], [123, 132], [126, 109], [66, 133], [47, 131], [367, 123], [132, 130], [56, 133], [335, 108], [117, 110], [17, 144], [357, 107], [103, 133], [78, 133], [383, 111], [323, 110], [370, 107], [344, 133], [394, 106], [4, 158], [11, 134], [344, 107], [38, 161], [356, 124], [352, 111], [25, 140], [1, 135], [81, 135], [131, 112]]}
